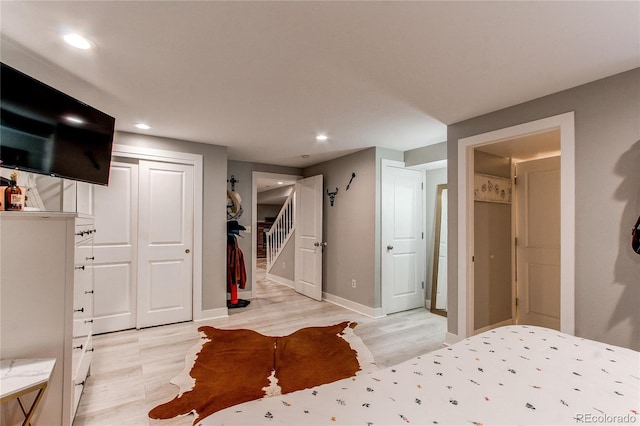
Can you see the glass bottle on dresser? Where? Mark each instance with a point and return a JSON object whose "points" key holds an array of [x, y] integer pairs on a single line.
{"points": [[13, 197]]}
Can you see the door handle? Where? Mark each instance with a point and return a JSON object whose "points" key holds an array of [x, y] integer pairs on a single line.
{"points": [[389, 247], [187, 251], [316, 244]]}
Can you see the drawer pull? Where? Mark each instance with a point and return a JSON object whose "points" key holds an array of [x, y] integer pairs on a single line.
{"points": [[80, 384], [88, 321], [90, 350], [80, 234], [88, 292], [78, 347], [79, 310], [80, 267], [90, 258]]}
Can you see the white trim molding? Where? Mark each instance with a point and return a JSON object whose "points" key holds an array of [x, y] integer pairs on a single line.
{"points": [[353, 306], [281, 280], [564, 123], [211, 314]]}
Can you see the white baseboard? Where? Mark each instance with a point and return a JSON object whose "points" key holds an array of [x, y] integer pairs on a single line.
{"points": [[281, 280], [245, 294], [210, 314], [492, 326], [353, 306], [450, 338]]}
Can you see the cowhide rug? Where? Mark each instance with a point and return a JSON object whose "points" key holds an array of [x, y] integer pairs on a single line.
{"points": [[228, 367]]}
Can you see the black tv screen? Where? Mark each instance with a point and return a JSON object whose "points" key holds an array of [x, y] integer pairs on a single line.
{"points": [[46, 131]]}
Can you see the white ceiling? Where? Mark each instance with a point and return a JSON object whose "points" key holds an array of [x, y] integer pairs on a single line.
{"points": [[538, 145], [262, 78]]}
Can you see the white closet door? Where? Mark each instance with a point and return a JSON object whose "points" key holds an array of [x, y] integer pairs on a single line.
{"points": [[538, 250], [165, 266], [115, 250]]}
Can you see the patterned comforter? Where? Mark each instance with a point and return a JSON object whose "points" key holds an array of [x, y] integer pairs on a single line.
{"points": [[510, 375]]}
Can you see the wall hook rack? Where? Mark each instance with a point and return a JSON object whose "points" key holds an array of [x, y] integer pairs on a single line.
{"points": [[332, 195], [351, 180]]}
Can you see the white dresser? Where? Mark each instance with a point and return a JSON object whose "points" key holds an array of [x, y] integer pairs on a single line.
{"points": [[46, 297]]}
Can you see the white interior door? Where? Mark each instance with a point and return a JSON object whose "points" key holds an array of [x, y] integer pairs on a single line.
{"points": [[115, 250], [308, 216], [165, 267], [402, 238], [538, 248]]}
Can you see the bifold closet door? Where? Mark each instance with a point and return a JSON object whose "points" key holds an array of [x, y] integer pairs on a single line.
{"points": [[165, 237], [115, 250]]}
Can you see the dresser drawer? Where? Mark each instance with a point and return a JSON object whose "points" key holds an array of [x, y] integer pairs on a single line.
{"points": [[82, 362], [84, 231]]}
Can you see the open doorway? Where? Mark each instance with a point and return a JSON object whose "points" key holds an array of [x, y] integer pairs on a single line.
{"points": [[270, 193], [517, 232], [564, 123]]}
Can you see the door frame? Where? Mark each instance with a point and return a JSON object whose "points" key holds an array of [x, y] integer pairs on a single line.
{"points": [[563, 122], [195, 160]]}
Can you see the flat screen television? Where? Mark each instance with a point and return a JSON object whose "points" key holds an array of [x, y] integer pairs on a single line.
{"points": [[45, 131]]}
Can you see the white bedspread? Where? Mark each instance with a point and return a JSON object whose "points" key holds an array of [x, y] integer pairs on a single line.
{"points": [[511, 375]]}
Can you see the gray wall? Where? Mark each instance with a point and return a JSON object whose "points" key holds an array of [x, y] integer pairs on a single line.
{"points": [[348, 226], [267, 210], [243, 172], [607, 151], [351, 226], [426, 154], [213, 209], [284, 265]]}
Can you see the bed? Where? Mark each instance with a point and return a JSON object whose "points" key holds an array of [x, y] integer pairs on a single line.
{"points": [[510, 375]]}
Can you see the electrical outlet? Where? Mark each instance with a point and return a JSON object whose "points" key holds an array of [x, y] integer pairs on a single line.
{"points": [[353, 283]]}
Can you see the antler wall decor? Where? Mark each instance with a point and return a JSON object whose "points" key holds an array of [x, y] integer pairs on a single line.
{"points": [[332, 195]]}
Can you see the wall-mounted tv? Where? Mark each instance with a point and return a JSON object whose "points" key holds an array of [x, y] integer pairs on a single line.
{"points": [[45, 131]]}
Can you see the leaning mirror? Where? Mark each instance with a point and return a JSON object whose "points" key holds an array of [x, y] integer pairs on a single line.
{"points": [[439, 277]]}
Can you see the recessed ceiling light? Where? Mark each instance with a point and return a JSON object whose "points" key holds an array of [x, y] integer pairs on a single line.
{"points": [[280, 182], [322, 137], [305, 156], [77, 41], [142, 126]]}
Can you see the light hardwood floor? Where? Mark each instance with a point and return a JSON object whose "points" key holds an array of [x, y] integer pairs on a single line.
{"points": [[131, 369]]}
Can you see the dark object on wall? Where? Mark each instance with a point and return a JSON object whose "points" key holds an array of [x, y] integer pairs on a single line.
{"points": [[332, 196], [233, 227], [233, 182], [236, 271], [350, 180], [46, 131], [635, 237]]}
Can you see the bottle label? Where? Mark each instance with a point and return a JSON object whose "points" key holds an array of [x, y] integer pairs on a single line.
{"points": [[16, 199]]}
